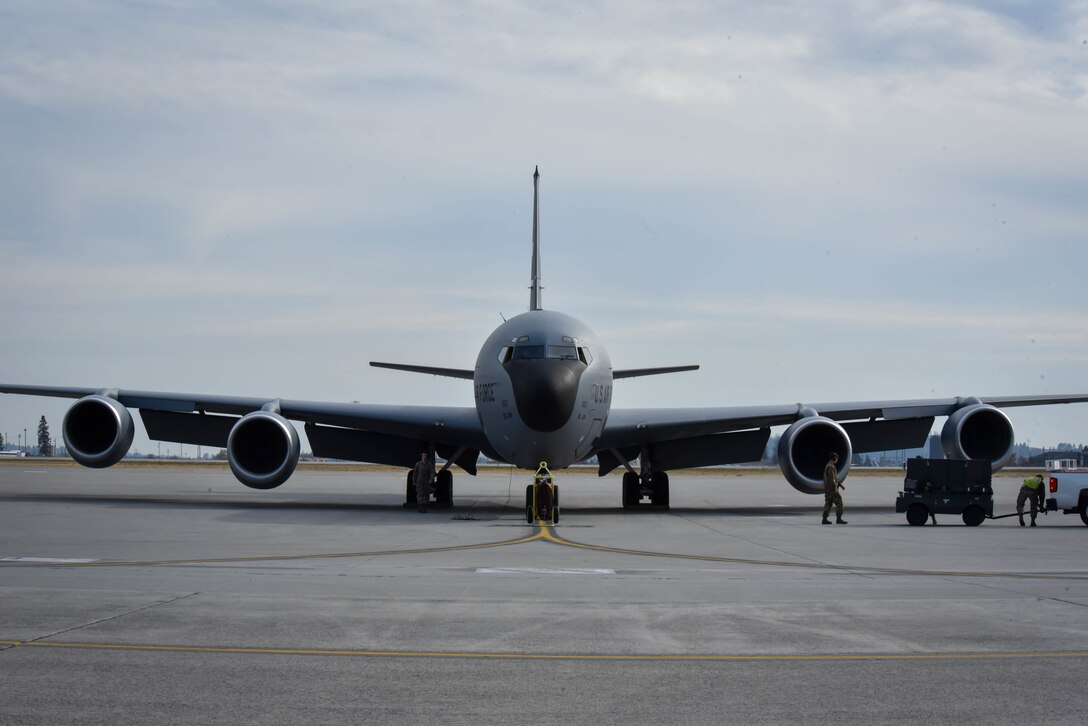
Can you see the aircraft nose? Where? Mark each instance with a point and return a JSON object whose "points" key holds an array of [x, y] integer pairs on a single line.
{"points": [[545, 391]]}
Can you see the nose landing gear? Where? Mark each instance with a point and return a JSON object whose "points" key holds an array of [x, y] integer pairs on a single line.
{"points": [[542, 497]]}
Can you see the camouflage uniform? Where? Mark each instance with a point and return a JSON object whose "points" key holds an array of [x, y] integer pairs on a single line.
{"points": [[831, 493], [1031, 489], [424, 479]]}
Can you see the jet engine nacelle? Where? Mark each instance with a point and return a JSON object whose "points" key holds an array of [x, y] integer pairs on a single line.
{"points": [[97, 431], [979, 431], [262, 449], [804, 449]]}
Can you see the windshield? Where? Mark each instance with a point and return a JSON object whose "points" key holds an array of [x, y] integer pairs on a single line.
{"points": [[559, 352]]}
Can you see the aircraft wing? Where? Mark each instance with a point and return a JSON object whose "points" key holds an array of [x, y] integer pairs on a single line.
{"points": [[690, 437], [355, 431]]}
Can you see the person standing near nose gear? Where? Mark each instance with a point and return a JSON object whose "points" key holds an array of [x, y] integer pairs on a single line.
{"points": [[832, 485], [1032, 489]]}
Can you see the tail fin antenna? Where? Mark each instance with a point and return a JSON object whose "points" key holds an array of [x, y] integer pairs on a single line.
{"points": [[534, 287]]}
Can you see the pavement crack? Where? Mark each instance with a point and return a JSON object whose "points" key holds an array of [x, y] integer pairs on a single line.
{"points": [[112, 617], [1027, 594]]}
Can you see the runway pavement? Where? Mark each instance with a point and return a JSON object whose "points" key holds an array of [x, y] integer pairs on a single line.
{"points": [[179, 596]]}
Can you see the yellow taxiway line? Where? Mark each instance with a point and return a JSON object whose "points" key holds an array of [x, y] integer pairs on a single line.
{"points": [[740, 658], [549, 535], [546, 532]]}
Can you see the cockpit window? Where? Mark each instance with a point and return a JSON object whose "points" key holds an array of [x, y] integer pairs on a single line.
{"points": [[532, 352], [562, 352], [529, 352]]}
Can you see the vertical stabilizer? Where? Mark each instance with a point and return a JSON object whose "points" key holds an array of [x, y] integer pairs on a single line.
{"points": [[534, 287]]}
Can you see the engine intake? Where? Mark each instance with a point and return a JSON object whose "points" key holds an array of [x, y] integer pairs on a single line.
{"points": [[97, 431], [804, 449], [979, 431], [263, 449]]}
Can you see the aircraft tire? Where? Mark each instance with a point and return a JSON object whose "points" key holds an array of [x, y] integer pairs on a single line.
{"points": [[410, 490], [555, 514], [528, 495], [443, 490], [544, 502], [1084, 510], [661, 489], [630, 490], [529, 514]]}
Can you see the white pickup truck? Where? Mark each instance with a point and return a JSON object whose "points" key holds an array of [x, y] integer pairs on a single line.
{"points": [[1067, 490]]}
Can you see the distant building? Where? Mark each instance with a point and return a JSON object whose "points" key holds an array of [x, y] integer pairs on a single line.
{"points": [[1059, 460]]}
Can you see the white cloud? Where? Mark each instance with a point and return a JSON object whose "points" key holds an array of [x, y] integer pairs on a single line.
{"points": [[211, 180]]}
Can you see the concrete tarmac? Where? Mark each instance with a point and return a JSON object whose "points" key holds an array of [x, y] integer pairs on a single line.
{"points": [[150, 595]]}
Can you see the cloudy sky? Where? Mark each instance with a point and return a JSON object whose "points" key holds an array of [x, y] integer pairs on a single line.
{"points": [[814, 201]]}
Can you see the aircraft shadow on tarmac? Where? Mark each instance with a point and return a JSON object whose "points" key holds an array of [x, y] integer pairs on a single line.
{"points": [[464, 510]]}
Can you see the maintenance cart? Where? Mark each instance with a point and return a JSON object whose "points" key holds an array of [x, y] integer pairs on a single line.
{"points": [[542, 497], [947, 486]]}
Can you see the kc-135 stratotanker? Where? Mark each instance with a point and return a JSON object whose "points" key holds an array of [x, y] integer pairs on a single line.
{"points": [[543, 386]]}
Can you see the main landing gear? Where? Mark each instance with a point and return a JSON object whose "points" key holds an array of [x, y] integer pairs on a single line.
{"points": [[542, 497], [645, 484], [443, 489], [654, 486]]}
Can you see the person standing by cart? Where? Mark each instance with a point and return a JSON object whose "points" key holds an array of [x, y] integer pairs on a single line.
{"points": [[832, 485], [1032, 490]]}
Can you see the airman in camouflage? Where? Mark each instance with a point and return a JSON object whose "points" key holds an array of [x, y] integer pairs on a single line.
{"points": [[424, 480], [832, 485]]}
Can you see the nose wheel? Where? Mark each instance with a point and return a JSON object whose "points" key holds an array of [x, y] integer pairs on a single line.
{"points": [[542, 498]]}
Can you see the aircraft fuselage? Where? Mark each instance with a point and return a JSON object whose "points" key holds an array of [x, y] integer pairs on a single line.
{"points": [[543, 388]]}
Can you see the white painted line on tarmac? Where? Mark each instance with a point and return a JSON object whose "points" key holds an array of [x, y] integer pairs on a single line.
{"points": [[540, 571]]}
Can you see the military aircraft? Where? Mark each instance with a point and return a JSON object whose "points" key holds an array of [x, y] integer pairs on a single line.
{"points": [[543, 393]]}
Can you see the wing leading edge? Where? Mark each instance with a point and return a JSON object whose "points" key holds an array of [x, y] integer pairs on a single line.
{"points": [[690, 437], [383, 434]]}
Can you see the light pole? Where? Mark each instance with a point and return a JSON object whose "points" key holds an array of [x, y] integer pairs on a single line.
{"points": [[26, 442]]}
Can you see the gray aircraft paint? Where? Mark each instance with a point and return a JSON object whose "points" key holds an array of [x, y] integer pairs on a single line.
{"points": [[512, 429]]}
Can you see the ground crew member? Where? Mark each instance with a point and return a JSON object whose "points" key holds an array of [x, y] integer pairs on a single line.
{"points": [[424, 478], [1032, 489], [832, 485]]}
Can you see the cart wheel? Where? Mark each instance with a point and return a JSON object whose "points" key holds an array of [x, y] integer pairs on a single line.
{"points": [[917, 514], [529, 514], [555, 514], [973, 515]]}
